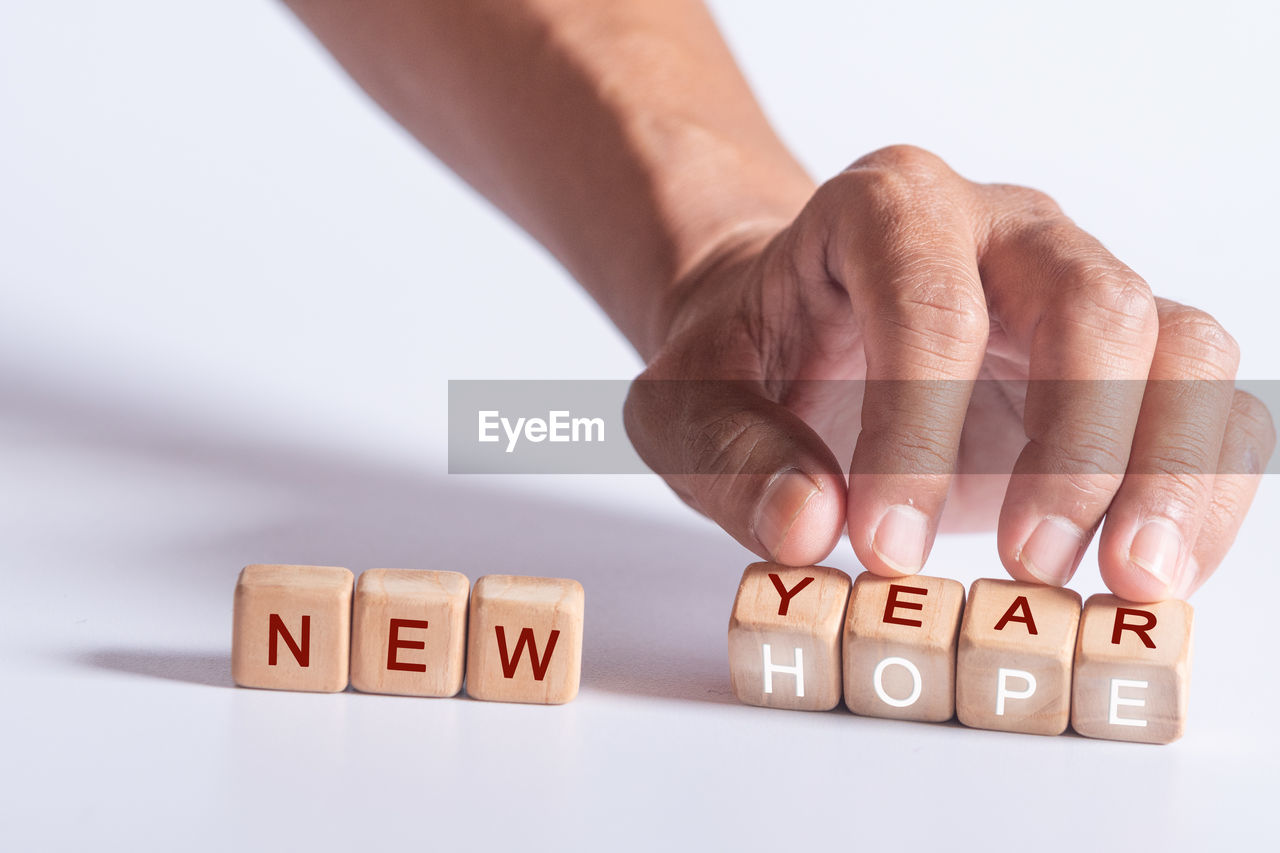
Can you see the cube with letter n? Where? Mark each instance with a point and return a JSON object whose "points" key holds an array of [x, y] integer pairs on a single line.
{"points": [[292, 628]]}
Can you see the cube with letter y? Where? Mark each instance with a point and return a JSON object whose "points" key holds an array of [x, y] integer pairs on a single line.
{"points": [[292, 628], [1013, 670], [409, 635], [900, 647], [1133, 668], [784, 636], [525, 639]]}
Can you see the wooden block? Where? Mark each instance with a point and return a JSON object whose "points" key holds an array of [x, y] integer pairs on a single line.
{"points": [[784, 636], [900, 647], [1133, 669], [292, 628], [409, 633], [1013, 670], [525, 642]]}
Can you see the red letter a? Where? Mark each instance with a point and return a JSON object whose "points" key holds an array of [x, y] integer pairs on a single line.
{"points": [[510, 662], [1019, 611]]}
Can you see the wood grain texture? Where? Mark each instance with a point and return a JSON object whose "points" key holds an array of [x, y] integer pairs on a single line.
{"points": [[804, 617], [1011, 630], [1132, 684], [900, 647], [306, 606], [525, 639], [427, 659]]}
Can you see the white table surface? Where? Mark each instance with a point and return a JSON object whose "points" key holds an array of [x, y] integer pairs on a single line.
{"points": [[231, 294]]}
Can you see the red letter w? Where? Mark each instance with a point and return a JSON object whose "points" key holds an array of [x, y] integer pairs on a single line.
{"points": [[510, 662]]}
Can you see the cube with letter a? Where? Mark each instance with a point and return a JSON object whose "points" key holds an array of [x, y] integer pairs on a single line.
{"points": [[784, 636], [292, 628], [1132, 672], [1013, 669], [900, 647], [524, 639]]}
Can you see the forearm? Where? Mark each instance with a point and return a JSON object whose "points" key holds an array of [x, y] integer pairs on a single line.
{"points": [[621, 135]]}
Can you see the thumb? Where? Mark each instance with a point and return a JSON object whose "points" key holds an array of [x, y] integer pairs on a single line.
{"points": [[746, 462]]}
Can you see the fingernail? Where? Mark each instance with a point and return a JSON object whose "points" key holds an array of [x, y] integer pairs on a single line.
{"points": [[900, 538], [1049, 554], [784, 500], [1187, 580], [1157, 550]]}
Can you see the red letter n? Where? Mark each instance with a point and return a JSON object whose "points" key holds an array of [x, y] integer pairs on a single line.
{"points": [[1148, 622], [276, 629], [510, 662]]}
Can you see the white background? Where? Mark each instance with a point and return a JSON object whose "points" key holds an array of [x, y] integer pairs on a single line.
{"points": [[231, 295]]}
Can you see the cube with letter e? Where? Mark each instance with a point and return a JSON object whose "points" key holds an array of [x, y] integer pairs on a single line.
{"points": [[784, 636], [409, 634], [900, 647], [1132, 671]]}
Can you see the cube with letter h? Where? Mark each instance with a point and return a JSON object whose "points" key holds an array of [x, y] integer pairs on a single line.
{"points": [[784, 636], [409, 635], [292, 628], [900, 647], [525, 639], [1133, 666], [1013, 670]]}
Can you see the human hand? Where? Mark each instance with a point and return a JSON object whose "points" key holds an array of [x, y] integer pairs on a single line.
{"points": [[900, 272]]}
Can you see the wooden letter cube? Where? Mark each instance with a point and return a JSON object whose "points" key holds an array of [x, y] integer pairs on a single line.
{"points": [[1133, 667], [1013, 671], [900, 647], [410, 632], [292, 628], [525, 642], [784, 636]]}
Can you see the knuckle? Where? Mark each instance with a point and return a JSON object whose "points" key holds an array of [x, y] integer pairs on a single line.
{"points": [[1179, 492], [1256, 419], [1027, 203], [1196, 334], [1090, 455], [905, 159], [890, 178], [1112, 298], [933, 305], [878, 190], [727, 445], [1182, 460]]}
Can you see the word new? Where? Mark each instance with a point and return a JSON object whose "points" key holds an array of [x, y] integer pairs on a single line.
{"points": [[408, 633], [1015, 657]]}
